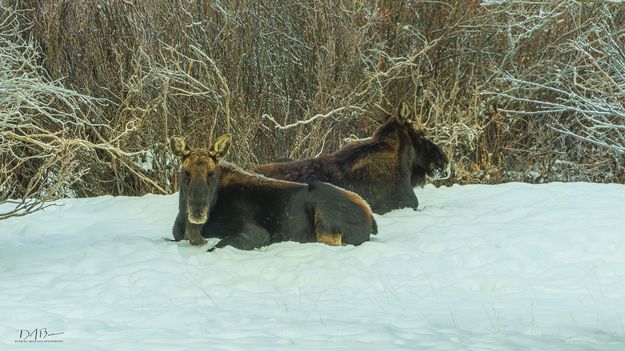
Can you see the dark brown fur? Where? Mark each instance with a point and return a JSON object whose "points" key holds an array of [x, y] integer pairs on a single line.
{"points": [[383, 170], [247, 210]]}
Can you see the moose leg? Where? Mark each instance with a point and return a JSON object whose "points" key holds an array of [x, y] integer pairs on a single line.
{"points": [[215, 230], [250, 237], [406, 197], [332, 239], [325, 233], [411, 200], [393, 198], [193, 234], [179, 227]]}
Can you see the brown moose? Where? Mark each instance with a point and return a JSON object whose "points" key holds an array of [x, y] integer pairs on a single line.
{"points": [[383, 170], [247, 211]]}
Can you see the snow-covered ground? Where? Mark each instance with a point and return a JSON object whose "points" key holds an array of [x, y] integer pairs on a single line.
{"points": [[506, 267]]}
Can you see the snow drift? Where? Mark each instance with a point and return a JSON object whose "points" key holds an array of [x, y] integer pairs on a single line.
{"points": [[506, 267]]}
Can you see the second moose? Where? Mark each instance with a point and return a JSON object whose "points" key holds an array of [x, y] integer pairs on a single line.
{"points": [[383, 170]]}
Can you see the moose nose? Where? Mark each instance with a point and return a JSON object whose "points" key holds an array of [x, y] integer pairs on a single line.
{"points": [[441, 172], [198, 216], [445, 171]]}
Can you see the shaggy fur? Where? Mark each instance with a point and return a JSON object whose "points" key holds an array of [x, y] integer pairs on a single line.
{"points": [[247, 210], [383, 170]]}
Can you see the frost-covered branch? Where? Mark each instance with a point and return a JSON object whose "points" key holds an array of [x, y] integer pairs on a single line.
{"points": [[583, 94], [47, 132], [313, 118]]}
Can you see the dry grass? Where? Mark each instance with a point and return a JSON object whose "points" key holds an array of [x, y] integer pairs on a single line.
{"points": [[201, 68]]}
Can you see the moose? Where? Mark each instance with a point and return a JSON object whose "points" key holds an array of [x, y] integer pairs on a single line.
{"points": [[248, 211], [383, 170]]}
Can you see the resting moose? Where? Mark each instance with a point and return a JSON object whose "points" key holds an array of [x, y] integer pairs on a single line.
{"points": [[247, 211], [383, 170]]}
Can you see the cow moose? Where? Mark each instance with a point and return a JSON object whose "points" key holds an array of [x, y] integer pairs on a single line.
{"points": [[383, 169], [247, 211]]}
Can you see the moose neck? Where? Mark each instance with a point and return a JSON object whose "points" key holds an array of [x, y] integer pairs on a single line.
{"points": [[390, 130]]}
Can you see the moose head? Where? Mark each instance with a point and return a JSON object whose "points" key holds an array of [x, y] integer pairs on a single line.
{"points": [[199, 178], [426, 158]]}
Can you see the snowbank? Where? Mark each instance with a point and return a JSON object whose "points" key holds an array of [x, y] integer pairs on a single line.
{"points": [[506, 267]]}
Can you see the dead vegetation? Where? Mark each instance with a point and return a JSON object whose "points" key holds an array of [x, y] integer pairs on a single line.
{"points": [[513, 90]]}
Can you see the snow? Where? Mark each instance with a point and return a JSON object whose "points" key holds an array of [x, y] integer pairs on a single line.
{"points": [[479, 267]]}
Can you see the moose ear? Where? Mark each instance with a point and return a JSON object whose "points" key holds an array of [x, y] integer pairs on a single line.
{"points": [[403, 112], [220, 146], [179, 147]]}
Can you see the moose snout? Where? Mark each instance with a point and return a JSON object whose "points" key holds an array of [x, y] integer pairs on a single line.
{"points": [[440, 172], [197, 215], [197, 203]]}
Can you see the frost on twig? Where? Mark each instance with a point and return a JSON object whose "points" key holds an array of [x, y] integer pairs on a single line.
{"points": [[311, 119], [48, 133], [581, 95]]}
